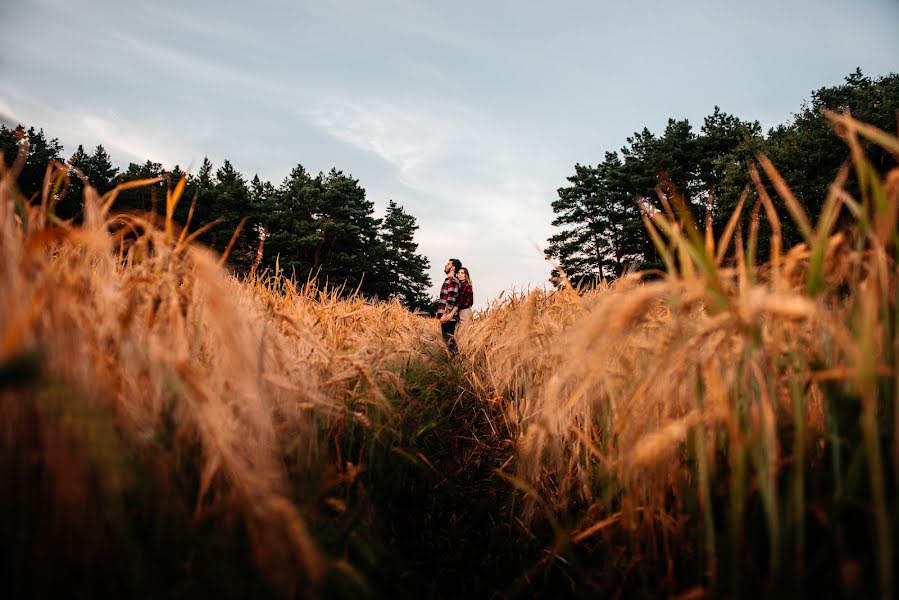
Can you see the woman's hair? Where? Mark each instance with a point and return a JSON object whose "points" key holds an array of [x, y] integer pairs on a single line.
{"points": [[467, 275]]}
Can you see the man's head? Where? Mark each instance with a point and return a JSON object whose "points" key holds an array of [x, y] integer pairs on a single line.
{"points": [[452, 265]]}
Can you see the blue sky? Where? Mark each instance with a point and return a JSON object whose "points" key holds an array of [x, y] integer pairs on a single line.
{"points": [[469, 114]]}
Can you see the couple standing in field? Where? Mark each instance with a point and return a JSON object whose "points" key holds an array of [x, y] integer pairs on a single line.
{"points": [[454, 304]]}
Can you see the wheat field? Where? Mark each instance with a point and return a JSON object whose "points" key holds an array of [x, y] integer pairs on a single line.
{"points": [[721, 429]]}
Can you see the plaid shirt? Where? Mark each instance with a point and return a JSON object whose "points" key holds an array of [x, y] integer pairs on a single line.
{"points": [[448, 293], [466, 295]]}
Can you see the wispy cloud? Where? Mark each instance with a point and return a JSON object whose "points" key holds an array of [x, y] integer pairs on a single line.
{"points": [[185, 64], [408, 139], [7, 116], [134, 140], [447, 151], [485, 189], [124, 138]]}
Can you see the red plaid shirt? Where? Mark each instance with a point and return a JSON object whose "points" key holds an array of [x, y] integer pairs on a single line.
{"points": [[466, 295], [448, 294]]}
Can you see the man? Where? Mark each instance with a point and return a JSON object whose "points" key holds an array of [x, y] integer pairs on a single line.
{"points": [[446, 304]]}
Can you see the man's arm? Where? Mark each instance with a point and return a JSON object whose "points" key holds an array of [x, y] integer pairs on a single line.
{"points": [[452, 294]]}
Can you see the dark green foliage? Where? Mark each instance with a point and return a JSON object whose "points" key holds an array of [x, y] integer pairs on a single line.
{"points": [[600, 232], [601, 219], [144, 199], [809, 154], [200, 193], [321, 227], [600, 213], [350, 250], [97, 169], [232, 205], [41, 151], [291, 228], [401, 268]]}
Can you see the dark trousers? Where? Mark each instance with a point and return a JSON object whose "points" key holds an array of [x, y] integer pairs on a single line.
{"points": [[448, 330]]}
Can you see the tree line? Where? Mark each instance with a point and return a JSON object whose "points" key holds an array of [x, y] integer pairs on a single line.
{"points": [[598, 215], [310, 226]]}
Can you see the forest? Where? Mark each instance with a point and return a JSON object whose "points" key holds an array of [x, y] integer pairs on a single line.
{"points": [[601, 233], [320, 227]]}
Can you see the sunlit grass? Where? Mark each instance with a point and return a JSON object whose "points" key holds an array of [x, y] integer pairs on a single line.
{"points": [[726, 428], [727, 401], [131, 354]]}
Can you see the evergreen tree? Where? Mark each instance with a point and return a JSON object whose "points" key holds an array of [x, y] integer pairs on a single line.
{"points": [[292, 225], [729, 146], [598, 227], [41, 151], [200, 192], [350, 251], [263, 201], [146, 199], [232, 203], [403, 271], [70, 206], [602, 224], [628, 244], [725, 142], [323, 226], [99, 170], [580, 246], [808, 153], [674, 159]]}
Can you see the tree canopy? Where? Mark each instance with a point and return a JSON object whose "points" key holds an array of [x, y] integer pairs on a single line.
{"points": [[320, 226], [600, 230]]}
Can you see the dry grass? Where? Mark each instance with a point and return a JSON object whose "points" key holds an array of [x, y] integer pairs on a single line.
{"points": [[640, 400], [146, 331], [719, 401]]}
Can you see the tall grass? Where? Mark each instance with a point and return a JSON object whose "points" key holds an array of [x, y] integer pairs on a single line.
{"points": [[151, 403], [727, 429], [729, 425]]}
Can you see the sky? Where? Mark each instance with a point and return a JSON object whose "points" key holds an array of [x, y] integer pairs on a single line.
{"points": [[468, 114]]}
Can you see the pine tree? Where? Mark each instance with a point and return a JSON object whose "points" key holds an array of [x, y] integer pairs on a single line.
{"points": [[403, 270], [322, 226], [293, 235], [579, 246], [808, 153], [145, 199], [41, 151], [70, 206], [232, 204], [350, 250], [601, 226], [200, 192], [99, 170]]}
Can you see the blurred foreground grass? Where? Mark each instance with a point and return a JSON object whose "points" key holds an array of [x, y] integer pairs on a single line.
{"points": [[727, 429]]}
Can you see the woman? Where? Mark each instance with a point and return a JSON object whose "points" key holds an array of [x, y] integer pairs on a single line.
{"points": [[466, 299]]}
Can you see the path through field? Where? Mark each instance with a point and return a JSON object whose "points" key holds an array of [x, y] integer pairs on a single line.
{"points": [[454, 532]]}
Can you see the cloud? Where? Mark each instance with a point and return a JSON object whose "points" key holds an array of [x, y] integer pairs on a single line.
{"points": [[480, 192], [387, 131], [187, 65], [92, 125], [447, 151], [7, 116], [136, 141]]}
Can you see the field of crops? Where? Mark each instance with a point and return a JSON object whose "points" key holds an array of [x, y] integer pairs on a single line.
{"points": [[721, 429]]}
